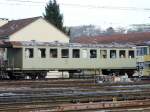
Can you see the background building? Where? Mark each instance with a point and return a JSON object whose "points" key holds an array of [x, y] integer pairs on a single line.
{"points": [[143, 59], [36, 28]]}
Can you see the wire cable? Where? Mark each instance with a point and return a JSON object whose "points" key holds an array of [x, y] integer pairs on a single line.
{"points": [[33, 3], [25, 1]]}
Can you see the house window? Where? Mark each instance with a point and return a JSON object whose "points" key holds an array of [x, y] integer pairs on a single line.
{"points": [[84, 53], [2, 53], [142, 51], [103, 53], [146, 65], [29, 52], [131, 54], [122, 54], [138, 52], [93, 53], [42, 52], [65, 53], [76, 53], [53, 53], [112, 54]]}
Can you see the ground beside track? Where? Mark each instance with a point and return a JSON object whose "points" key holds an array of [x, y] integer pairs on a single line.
{"points": [[41, 95]]}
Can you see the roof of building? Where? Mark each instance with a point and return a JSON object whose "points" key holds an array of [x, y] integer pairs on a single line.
{"points": [[15, 25], [138, 37]]}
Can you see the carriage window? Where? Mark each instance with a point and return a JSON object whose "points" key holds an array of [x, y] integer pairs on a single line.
{"points": [[65, 53], [122, 54], [76, 53], [113, 54], [53, 53], [84, 53], [42, 52], [93, 54], [29, 52], [131, 54], [103, 53]]}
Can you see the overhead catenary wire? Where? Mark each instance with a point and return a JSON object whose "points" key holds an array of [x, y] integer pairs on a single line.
{"points": [[18, 4], [37, 3], [107, 7], [23, 1]]}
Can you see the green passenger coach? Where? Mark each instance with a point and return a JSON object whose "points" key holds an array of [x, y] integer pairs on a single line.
{"points": [[35, 59]]}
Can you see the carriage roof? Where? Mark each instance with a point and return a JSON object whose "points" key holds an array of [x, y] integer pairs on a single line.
{"points": [[20, 44]]}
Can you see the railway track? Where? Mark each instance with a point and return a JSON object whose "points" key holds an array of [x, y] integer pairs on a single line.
{"points": [[38, 95], [78, 106]]}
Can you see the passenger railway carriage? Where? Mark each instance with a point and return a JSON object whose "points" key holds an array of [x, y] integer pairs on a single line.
{"points": [[35, 59]]}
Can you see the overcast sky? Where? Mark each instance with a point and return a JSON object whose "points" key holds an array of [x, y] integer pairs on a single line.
{"points": [[84, 12]]}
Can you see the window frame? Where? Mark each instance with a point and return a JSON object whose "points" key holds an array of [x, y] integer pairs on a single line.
{"points": [[67, 56], [78, 53], [111, 56], [93, 56], [43, 54], [133, 53], [121, 53], [84, 56], [30, 51], [101, 54], [56, 52]]}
